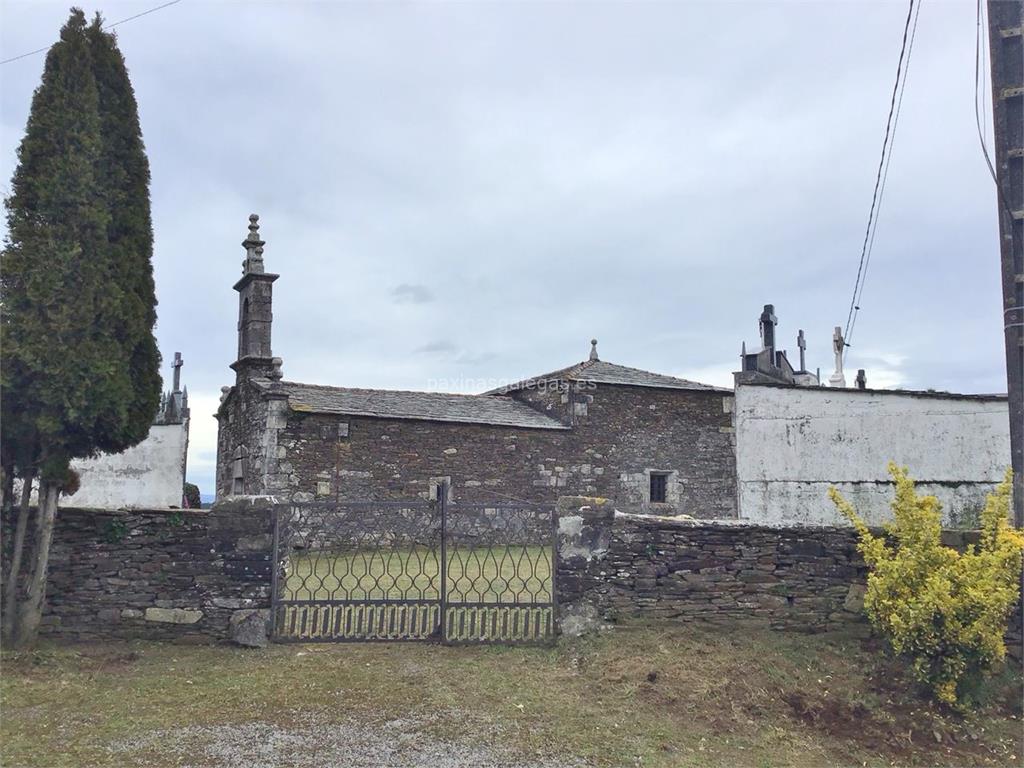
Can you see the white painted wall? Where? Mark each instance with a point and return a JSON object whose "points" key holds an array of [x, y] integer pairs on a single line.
{"points": [[792, 443], [151, 475]]}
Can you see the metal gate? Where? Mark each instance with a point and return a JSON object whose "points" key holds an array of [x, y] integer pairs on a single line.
{"points": [[452, 573]]}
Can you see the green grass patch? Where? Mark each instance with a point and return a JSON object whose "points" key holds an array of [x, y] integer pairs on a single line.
{"points": [[494, 594], [484, 574], [683, 695]]}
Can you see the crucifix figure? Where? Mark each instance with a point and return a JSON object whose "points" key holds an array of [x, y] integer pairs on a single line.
{"points": [[802, 343], [837, 379]]}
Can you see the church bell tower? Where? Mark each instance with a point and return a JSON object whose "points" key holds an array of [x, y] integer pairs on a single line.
{"points": [[255, 315]]}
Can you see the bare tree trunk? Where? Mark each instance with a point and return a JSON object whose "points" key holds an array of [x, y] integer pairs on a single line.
{"points": [[30, 612], [10, 603], [7, 484]]}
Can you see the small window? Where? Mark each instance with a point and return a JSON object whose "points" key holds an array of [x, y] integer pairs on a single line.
{"points": [[238, 472], [337, 431], [659, 487]]}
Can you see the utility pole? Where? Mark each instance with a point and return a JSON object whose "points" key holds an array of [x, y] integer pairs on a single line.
{"points": [[1006, 58]]}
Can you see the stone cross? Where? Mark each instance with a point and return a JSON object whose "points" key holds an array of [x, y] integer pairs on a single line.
{"points": [[178, 362], [837, 379], [802, 343], [767, 324]]}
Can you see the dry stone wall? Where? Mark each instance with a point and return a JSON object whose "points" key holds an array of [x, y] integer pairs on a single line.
{"points": [[614, 566], [205, 575], [186, 575]]}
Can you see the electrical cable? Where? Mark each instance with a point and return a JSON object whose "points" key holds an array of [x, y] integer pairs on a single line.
{"points": [[106, 26], [882, 165]]}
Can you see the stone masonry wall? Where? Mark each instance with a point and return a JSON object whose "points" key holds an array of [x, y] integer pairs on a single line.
{"points": [[201, 575], [615, 566], [241, 422], [163, 575], [618, 436]]}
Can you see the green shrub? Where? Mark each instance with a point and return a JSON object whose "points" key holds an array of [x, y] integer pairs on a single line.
{"points": [[115, 531], [944, 610]]}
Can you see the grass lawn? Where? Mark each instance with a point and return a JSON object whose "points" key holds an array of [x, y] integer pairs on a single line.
{"points": [[685, 695], [498, 577], [483, 574]]}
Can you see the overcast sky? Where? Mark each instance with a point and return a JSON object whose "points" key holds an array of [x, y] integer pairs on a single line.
{"points": [[459, 193]]}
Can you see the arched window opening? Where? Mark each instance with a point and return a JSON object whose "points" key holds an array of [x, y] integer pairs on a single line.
{"points": [[243, 329]]}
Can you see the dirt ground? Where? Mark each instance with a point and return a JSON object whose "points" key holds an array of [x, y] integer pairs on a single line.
{"points": [[635, 696]]}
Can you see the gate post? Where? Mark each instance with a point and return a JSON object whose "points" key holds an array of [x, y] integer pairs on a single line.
{"points": [[556, 624], [442, 492], [275, 565]]}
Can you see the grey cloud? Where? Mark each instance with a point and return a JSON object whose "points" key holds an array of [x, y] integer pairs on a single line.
{"points": [[450, 351], [474, 358], [436, 348], [407, 293]]}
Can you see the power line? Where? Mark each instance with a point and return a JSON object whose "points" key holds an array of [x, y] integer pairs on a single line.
{"points": [[885, 177], [106, 26], [144, 13], [882, 168]]}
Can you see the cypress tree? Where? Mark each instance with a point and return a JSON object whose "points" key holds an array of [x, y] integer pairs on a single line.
{"points": [[124, 178], [80, 368]]}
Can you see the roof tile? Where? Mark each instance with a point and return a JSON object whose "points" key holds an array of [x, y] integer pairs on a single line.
{"points": [[428, 406], [600, 372]]}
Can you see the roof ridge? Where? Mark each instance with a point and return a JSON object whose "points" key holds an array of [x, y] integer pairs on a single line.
{"points": [[381, 389], [539, 377], [666, 375], [579, 369]]}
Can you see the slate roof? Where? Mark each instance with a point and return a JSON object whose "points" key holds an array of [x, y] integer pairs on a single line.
{"points": [[427, 406], [600, 372]]}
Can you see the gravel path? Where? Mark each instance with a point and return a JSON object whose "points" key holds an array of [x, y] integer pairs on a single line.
{"points": [[393, 744]]}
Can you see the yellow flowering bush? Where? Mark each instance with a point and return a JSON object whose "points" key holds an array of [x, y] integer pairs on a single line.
{"points": [[945, 610]]}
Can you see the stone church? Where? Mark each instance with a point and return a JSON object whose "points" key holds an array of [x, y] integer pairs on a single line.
{"points": [[649, 441]]}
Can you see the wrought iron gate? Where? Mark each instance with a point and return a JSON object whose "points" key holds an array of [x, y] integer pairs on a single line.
{"points": [[453, 573]]}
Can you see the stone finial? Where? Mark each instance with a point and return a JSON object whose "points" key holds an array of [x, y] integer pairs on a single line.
{"points": [[275, 369], [224, 392], [801, 343], [253, 248], [862, 379], [593, 351]]}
